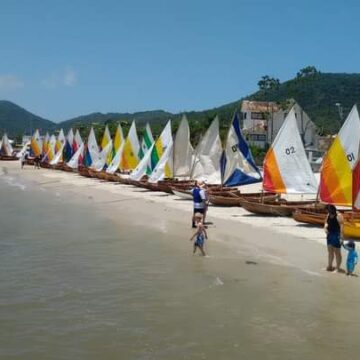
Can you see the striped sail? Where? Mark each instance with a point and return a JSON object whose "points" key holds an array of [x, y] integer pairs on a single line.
{"points": [[206, 164], [130, 158], [338, 163], [143, 165], [183, 150], [69, 145], [237, 164], [356, 184], [78, 141], [6, 148], [45, 143], [164, 167], [36, 144], [162, 142], [50, 154], [146, 142], [286, 167]]}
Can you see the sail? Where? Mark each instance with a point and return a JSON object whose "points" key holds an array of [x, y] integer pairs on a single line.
{"points": [[50, 154], [356, 184], [106, 137], [207, 156], [286, 167], [61, 140], [237, 164], [23, 150], [115, 163], [91, 150], [58, 157], [338, 163], [144, 163], [99, 161], [162, 142], [45, 143], [6, 148], [183, 151], [130, 157], [69, 145], [77, 140], [118, 139], [146, 142], [76, 158], [164, 167], [36, 144]]}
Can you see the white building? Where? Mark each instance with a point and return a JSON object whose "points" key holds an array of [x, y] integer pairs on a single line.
{"points": [[263, 120]]}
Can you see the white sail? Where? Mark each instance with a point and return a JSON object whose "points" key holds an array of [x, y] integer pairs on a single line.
{"points": [[145, 162], [286, 167], [115, 163], [6, 148], [238, 166], [23, 150], [58, 156], [207, 156], [77, 140], [183, 151], [164, 167], [100, 161], [74, 161], [93, 146]]}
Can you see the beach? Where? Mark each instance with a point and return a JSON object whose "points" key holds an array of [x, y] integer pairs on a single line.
{"points": [[112, 275]]}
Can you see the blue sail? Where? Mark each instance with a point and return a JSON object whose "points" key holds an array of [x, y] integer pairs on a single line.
{"points": [[237, 163]]}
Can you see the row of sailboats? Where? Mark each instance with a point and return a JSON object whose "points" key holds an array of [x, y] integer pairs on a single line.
{"points": [[153, 160]]}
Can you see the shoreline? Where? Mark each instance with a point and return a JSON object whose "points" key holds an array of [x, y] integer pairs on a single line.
{"points": [[232, 231]]}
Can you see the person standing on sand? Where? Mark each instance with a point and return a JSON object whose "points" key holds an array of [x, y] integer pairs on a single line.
{"points": [[22, 160], [333, 228], [200, 234], [199, 200]]}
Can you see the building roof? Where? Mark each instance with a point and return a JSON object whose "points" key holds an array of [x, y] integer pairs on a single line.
{"points": [[259, 106]]}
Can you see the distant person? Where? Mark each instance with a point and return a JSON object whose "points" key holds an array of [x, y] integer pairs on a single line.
{"points": [[333, 228], [200, 234], [352, 257], [206, 192], [22, 160], [199, 200]]}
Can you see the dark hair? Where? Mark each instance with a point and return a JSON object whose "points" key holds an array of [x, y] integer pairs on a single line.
{"points": [[331, 209], [351, 244]]}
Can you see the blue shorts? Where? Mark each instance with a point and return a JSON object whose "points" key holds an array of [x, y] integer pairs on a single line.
{"points": [[199, 241], [333, 239]]}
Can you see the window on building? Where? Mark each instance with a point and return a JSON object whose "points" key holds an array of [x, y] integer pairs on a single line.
{"points": [[257, 116]]}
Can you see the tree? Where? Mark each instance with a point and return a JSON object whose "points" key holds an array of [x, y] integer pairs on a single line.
{"points": [[268, 83], [307, 72]]}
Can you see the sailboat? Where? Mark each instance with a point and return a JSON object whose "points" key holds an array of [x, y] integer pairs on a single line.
{"points": [[338, 172], [6, 149], [286, 171], [238, 168]]}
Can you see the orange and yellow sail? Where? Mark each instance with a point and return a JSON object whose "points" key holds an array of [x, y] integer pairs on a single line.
{"points": [[339, 162]]}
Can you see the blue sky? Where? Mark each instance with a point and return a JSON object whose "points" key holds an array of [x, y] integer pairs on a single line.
{"points": [[61, 59]]}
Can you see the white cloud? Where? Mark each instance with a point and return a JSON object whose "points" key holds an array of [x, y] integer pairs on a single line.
{"points": [[11, 82], [70, 78]]}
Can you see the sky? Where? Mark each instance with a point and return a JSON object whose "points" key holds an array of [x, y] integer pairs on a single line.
{"points": [[61, 59]]}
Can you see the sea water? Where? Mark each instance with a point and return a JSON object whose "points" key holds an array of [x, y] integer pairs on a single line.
{"points": [[75, 285]]}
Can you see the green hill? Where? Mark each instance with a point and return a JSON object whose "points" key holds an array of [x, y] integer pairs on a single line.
{"points": [[16, 121], [318, 93]]}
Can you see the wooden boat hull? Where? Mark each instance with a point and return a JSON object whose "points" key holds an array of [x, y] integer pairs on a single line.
{"points": [[233, 198], [8, 158], [318, 216], [351, 228], [275, 208]]}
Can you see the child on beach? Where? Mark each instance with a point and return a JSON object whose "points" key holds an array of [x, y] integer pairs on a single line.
{"points": [[352, 257], [200, 234]]}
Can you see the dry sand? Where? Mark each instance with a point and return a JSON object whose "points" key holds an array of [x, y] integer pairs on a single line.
{"points": [[232, 230]]}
